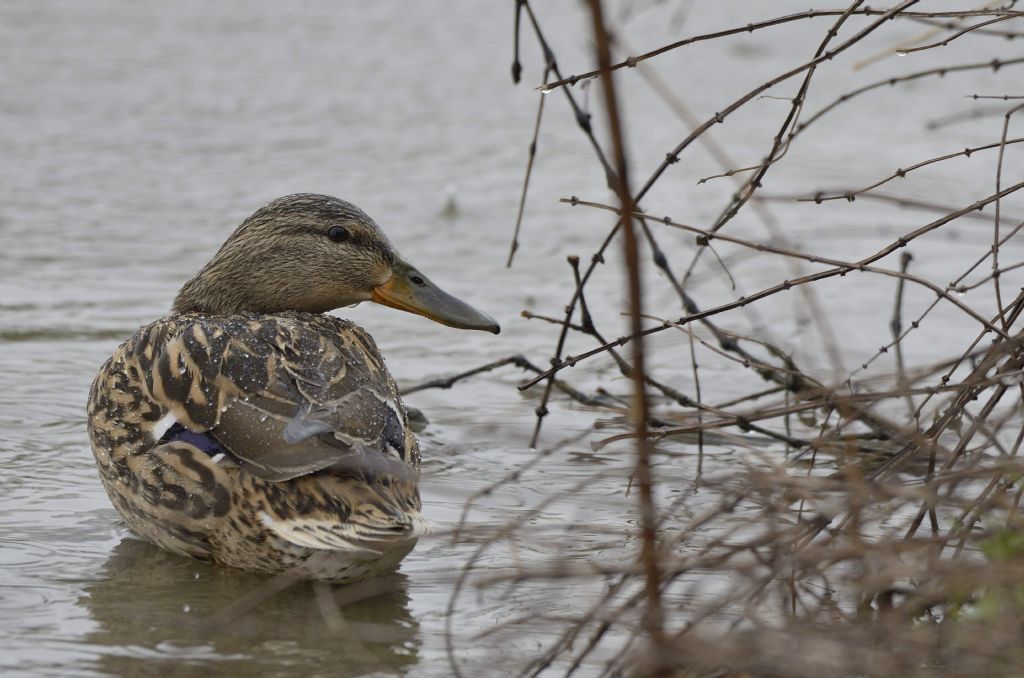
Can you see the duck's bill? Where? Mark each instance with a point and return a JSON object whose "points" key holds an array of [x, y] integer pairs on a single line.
{"points": [[409, 290]]}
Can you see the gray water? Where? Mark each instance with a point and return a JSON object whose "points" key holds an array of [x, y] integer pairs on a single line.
{"points": [[133, 138]]}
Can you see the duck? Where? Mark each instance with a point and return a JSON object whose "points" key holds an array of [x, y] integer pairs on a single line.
{"points": [[251, 428]]}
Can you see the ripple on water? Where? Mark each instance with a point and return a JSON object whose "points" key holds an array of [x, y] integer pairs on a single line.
{"points": [[24, 600]]}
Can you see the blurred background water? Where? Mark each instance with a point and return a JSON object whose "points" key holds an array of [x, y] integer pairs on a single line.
{"points": [[134, 137]]}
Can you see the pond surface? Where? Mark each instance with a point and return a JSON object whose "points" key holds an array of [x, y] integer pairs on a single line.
{"points": [[134, 138]]}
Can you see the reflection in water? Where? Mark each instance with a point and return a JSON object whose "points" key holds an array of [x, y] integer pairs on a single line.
{"points": [[161, 614]]}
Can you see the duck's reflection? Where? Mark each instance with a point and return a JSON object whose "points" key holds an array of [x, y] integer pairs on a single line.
{"points": [[162, 614]]}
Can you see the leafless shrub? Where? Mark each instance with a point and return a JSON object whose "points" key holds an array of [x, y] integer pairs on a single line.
{"points": [[880, 535]]}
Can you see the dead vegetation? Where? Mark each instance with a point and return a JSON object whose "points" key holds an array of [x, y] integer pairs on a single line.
{"points": [[881, 535]]}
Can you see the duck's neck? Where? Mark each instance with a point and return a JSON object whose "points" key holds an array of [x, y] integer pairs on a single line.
{"points": [[212, 293], [225, 288]]}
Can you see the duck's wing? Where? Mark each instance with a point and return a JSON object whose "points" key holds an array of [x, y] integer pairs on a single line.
{"points": [[287, 394], [374, 519]]}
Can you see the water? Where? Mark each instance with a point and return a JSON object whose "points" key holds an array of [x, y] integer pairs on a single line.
{"points": [[135, 137]]}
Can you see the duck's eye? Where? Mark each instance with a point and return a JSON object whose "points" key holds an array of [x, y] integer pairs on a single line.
{"points": [[338, 234]]}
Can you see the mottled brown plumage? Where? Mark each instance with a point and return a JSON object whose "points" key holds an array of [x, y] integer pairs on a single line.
{"points": [[250, 429]]}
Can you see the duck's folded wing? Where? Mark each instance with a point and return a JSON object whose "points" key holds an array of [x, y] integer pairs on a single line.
{"points": [[375, 519], [287, 398]]}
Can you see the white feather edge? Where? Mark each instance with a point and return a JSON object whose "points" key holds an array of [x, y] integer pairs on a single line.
{"points": [[334, 536], [163, 424]]}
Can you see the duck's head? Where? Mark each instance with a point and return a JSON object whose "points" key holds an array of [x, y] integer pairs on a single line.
{"points": [[314, 253]]}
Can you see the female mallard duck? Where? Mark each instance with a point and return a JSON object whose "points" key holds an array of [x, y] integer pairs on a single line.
{"points": [[249, 428]]}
